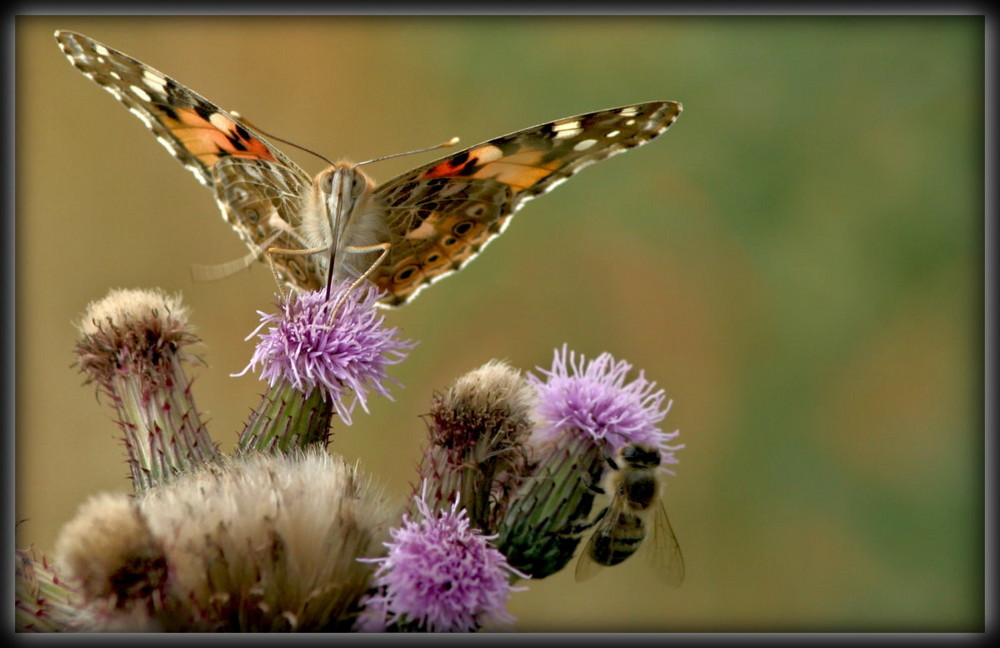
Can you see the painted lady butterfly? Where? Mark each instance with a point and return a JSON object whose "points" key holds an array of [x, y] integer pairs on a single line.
{"points": [[434, 218]]}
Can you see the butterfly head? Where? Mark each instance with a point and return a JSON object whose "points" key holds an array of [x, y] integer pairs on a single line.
{"points": [[344, 185]]}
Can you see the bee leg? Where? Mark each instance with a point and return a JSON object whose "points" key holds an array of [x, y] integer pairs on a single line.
{"points": [[580, 527], [595, 487]]}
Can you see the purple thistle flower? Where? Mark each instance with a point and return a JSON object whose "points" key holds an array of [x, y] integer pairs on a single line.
{"points": [[593, 401], [586, 412], [440, 575], [307, 350]]}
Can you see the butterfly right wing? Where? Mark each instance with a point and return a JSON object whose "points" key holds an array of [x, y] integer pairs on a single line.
{"points": [[263, 202], [442, 214], [258, 188]]}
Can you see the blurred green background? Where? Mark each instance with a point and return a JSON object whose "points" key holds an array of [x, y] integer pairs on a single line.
{"points": [[798, 262]]}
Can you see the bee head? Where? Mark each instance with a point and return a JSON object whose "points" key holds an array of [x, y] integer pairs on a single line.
{"points": [[638, 455]]}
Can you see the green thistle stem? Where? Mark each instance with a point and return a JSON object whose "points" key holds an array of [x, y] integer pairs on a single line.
{"points": [[543, 525], [447, 476], [286, 419], [43, 603], [164, 434]]}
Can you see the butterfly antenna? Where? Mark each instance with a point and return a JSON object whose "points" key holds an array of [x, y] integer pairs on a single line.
{"points": [[452, 142], [260, 130]]}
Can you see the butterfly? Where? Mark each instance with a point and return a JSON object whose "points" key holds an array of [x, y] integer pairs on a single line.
{"points": [[405, 233]]}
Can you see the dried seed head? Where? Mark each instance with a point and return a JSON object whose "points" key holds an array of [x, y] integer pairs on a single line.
{"points": [[263, 543], [120, 568], [477, 430]]}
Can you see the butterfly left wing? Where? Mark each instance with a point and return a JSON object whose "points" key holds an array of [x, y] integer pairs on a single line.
{"points": [[442, 214], [258, 188], [193, 129]]}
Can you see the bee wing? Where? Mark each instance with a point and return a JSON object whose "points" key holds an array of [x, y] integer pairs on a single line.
{"points": [[665, 554], [586, 566]]}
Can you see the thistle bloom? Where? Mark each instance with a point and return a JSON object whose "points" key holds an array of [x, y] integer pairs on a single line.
{"points": [[307, 350], [587, 412], [593, 401], [273, 537], [440, 575]]}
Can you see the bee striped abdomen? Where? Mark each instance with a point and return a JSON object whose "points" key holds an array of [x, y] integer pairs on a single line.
{"points": [[612, 548]]}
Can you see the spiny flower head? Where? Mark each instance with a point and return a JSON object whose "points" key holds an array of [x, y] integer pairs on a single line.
{"points": [[586, 412], [133, 344], [133, 331], [478, 428], [440, 575], [308, 345]]}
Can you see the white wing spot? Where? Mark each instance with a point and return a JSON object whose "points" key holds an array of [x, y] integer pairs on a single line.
{"points": [[143, 117], [630, 122], [566, 129], [630, 111], [486, 153], [219, 121], [426, 230], [154, 81], [100, 49], [167, 144], [614, 133], [114, 75], [139, 92], [567, 134], [583, 145]]}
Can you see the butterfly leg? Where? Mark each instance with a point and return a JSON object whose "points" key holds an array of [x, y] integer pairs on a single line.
{"points": [[218, 271], [271, 251], [215, 271], [357, 282]]}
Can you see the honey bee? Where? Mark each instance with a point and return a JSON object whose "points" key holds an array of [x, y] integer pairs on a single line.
{"points": [[636, 505]]}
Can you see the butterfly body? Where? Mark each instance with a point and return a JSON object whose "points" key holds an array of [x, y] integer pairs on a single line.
{"points": [[339, 215], [434, 218]]}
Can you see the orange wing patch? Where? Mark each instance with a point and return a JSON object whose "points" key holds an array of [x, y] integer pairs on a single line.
{"points": [[210, 135], [463, 164], [519, 170]]}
